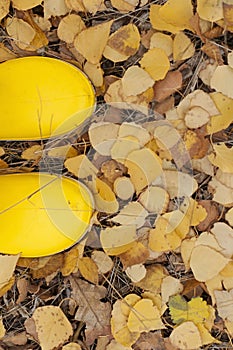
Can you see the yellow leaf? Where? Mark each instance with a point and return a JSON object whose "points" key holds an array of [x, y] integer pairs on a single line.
{"points": [[66, 151], [136, 272], [52, 326], [229, 216], [132, 213], [123, 43], [156, 63], [178, 13], [147, 199], [32, 153], [170, 286], [8, 263], [71, 346], [93, 6], [225, 117], [183, 48], [5, 53], [158, 23], [222, 79], [206, 262], [95, 73], [70, 261], [162, 41], [210, 10], [4, 9], [224, 236], [69, 27], [193, 211], [124, 5], [119, 239], [114, 345], [153, 279], [186, 336], [206, 337], [222, 193], [222, 158], [21, 32], [81, 166], [137, 254], [25, 4], [88, 269], [135, 81], [144, 317], [55, 8], [2, 329], [98, 37]]}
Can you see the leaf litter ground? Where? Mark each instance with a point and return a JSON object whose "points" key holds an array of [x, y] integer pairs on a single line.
{"points": [[168, 283]]}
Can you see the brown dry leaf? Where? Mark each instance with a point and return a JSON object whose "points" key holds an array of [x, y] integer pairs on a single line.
{"points": [[94, 6], [102, 136], [162, 41], [8, 263], [47, 266], [169, 85], [98, 36], [144, 317], [88, 269], [206, 262], [123, 43], [117, 240], [156, 63], [92, 311], [183, 48], [225, 116], [213, 51], [132, 213], [222, 79], [25, 4], [32, 153], [114, 345], [207, 71], [4, 8], [5, 53], [186, 336], [112, 170], [151, 339], [135, 81], [55, 8], [2, 329], [177, 13], [210, 10], [95, 73], [81, 166], [40, 39], [103, 262], [153, 279], [69, 27], [52, 326], [21, 32], [197, 143], [144, 166], [70, 262], [136, 272], [203, 165], [227, 15], [154, 199], [229, 216], [158, 23], [124, 5], [22, 286], [137, 254], [222, 157], [212, 214], [224, 301]]}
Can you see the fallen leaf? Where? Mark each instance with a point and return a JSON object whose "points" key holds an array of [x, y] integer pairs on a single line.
{"points": [[157, 21], [2, 152], [123, 43], [21, 32], [170, 286], [71, 346], [55, 8], [132, 213], [92, 311], [224, 301], [32, 153], [137, 254], [153, 279], [69, 27], [88, 269], [150, 339], [221, 193], [136, 272], [156, 63], [95, 73], [210, 10], [25, 4], [98, 36], [6, 54], [102, 136], [135, 81], [224, 236], [183, 48], [117, 240], [135, 131], [70, 262], [206, 262], [104, 197], [94, 6], [81, 166], [52, 326], [207, 71], [76, 5], [162, 41], [227, 15], [65, 152], [114, 345], [212, 214], [222, 79], [154, 199], [213, 51], [8, 263], [2, 329], [225, 116], [222, 157], [178, 13], [124, 5], [103, 262], [186, 336], [229, 216], [169, 85], [22, 286], [123, 188], [144, 316], [4, 8]]}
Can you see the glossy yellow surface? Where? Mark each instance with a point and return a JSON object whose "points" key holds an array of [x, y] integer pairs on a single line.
{"points": [[42, 97], [42, 214]]}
